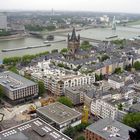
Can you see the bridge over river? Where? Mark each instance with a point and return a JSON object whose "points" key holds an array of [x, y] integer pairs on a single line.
{"points": [[62, 32]]}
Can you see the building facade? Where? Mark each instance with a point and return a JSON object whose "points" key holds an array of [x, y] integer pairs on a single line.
{"points": [[59, 116], [35, 129], [108, 129], [105, 109], [3, 21], [17, 88], [73, 42], [57, 84]]}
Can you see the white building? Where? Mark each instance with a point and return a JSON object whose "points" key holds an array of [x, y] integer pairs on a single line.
{"points": [[106, 109], [41, 70], [57, 84], [116, 81], [17, 88], [3, 21]]}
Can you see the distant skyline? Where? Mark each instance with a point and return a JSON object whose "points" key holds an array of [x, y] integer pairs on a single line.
{"points": [[126, 6]]}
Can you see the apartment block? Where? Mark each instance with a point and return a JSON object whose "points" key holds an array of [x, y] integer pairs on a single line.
{"points": [[17, 88]]}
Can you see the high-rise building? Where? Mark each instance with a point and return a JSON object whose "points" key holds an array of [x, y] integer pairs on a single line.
{"points": [[3, 21]]}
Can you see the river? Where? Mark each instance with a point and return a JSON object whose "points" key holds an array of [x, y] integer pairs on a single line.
{"points": [[97, 33]]}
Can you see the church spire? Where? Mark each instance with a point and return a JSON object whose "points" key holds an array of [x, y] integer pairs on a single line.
{"points": [[73, 36]]}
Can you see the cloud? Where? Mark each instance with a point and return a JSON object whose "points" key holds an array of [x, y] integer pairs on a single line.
{"points": [[87, 5]]}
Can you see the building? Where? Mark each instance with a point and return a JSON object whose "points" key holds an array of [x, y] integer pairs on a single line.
{"points": [[135, 108], [77, 94], [108, 129], [35, 129], [17, 88], [116, 81], [3, 21], [59, 116], [57, 84], [107, 108], [73, 42]]}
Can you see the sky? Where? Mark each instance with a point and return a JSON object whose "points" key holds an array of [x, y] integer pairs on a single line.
{"points": [[128, 6]]}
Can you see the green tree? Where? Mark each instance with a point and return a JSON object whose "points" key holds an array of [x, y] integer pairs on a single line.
{"points": [[118, 70], [4, 33], [104, 57], [64, 50], [34, 27], [13, 69], [1, 92], [85, 45], [70, 132], [41, 88], [81, 127], [120, 106], [81, 138], [98, 77], [66, 101], [60, 65], [137, 65], [120, 42], [132, 119], [51, 28], [54, 51]]}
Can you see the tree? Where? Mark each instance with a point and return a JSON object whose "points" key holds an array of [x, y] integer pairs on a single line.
{"points": [[85, 45], [118, 70], [13, 69], [1, 92], [136, 134], [81, 138], [137, 65], [132, 119], [98, 77], [64, 50], [51, 28], [104, 57], [70, 132], [60, 65], [120, 106], [81, 127], [41, 88], [54, 51], [66, 101]]}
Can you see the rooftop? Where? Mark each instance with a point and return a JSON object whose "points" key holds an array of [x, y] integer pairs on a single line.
{"points": [[58, 112], [35, 129], [136, 107], [110, 129], [14, 81]]}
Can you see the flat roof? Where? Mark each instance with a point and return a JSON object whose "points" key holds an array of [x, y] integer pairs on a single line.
{"points": [[14, 81], [110, 129], [35, 129], [59, 113]]}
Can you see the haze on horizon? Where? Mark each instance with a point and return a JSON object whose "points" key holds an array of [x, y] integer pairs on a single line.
{"points": [[127, 6]]}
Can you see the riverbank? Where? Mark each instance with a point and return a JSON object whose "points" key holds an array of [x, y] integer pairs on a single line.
{"points": [[12, 37]]}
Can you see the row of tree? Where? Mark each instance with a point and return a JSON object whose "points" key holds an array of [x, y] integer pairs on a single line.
{"points": [[39, 28], [24, 59], [72, 132]]}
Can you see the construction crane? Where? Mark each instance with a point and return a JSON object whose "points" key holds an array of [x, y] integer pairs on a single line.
{"points": [[85, 114]]}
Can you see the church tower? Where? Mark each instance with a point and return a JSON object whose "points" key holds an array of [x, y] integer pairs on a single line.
{"points": [[73, 42]]}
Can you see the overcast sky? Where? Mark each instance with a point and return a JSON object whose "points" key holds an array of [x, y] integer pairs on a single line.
{"points": [[131, 6]]}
